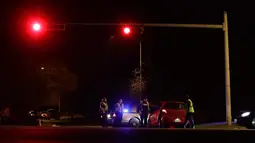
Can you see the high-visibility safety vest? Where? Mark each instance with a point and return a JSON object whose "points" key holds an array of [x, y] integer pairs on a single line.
{"points": [[191, 107], [105, 108]]}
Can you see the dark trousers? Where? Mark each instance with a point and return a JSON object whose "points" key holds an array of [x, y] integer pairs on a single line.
{"points": [[189, 120], [104, 122], [118, 119], [144, 117]]}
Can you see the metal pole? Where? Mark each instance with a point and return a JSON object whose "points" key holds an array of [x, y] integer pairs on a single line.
{"points": [[59, 103], [210, 26], [227, 71], [141, 64], [141, 76]]}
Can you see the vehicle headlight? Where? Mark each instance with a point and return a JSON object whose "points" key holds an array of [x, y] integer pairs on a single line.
{"points": [[125, 110], [245, 114], [108, 116]]}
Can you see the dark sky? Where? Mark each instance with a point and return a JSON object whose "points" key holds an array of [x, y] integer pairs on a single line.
{"points": [[177, 60]]}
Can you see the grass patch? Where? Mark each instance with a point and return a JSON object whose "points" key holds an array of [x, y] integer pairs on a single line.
{"points": [[222, 126], [76, 122], [55, 121]]}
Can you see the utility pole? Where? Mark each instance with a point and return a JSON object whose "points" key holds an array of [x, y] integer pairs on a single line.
{"points": [[223, 26], [141, 74], [141, 65], [227, 71]]}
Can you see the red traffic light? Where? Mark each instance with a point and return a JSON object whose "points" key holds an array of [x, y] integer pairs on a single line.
{"points": [[37, 27], [126, 30]]}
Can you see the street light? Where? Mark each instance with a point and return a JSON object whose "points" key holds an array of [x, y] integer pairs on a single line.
{"points": [[127, 31], [141, 62]]}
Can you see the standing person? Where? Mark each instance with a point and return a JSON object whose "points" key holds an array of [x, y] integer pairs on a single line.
{"points": [[189, 113], [5, 116], [121, 110], [103, 109], [119, 106], [144, 112]]}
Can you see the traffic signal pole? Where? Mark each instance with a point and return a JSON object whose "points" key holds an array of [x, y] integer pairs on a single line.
{"points": [[141, 65], [210, 26], [140, 73], [223, 26]]}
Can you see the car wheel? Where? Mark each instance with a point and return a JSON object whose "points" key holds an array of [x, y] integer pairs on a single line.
{"points": [[135, 122], [252, 123]]}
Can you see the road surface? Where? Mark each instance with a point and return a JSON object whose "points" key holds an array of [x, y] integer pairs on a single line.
{"points": [[79, 134]]}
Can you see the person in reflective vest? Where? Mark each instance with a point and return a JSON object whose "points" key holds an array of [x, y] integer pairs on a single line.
{"points": [[189, 113], [103, 110]]}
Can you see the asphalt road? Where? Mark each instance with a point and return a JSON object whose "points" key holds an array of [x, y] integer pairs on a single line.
{"points": [[81, 134]]}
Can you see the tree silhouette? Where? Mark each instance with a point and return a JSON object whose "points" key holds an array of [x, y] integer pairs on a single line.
{"points": [[58, 81], [137, 84]]}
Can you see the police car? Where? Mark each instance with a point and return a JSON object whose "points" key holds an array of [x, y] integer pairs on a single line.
{"points": [[130, 117]]}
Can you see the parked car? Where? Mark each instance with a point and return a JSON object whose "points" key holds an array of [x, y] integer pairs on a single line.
{"points": [[169, 113], [71, 116], [246, 118], [130, 117], [50, 114]]}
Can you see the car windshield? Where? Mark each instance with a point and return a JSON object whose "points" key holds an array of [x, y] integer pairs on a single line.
{"points": [[174, 106]]}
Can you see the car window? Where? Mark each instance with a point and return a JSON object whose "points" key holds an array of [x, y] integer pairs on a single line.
{"points": [[174, 106]]}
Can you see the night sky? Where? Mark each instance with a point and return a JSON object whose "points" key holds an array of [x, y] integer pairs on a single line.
{"points": [[176, 60]]}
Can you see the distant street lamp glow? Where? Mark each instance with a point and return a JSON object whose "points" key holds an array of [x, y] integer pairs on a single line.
{"points": [[42, 68]]}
